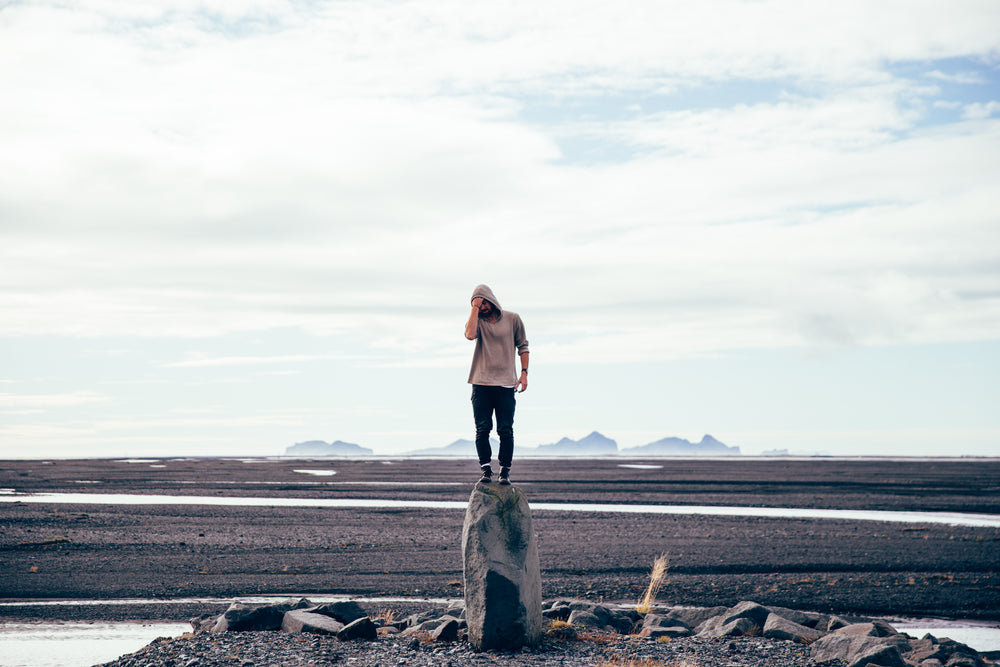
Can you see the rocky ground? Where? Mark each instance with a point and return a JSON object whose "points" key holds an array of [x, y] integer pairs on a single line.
{"points": [[103, 552], [255, 649], [160, 551], [297, 632]]}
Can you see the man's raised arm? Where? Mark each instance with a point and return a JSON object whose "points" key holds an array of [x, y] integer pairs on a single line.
{"points": [[472, 325]]}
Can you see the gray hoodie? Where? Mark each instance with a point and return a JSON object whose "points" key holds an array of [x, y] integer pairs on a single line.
{"points": [[497, 345]]}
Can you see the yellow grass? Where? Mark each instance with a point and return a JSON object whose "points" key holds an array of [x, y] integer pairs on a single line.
{"points": [[655, 581]]}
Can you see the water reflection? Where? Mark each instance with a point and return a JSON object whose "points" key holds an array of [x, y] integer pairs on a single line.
{"points": [[946, 518]]}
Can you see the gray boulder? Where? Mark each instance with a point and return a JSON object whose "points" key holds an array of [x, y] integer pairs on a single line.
{"points": [[745, 619], [557, 612], [870, 629], [363, 628], [779, 627], [929, 650], [602, 613], [856, 651], [346, 611], [585, 619], [737, 627], [247, 618], [503, 587], [810, 619], [860, 644], [656, 626], [692, 617], [753, 612], [300, 620], [447, 631]]}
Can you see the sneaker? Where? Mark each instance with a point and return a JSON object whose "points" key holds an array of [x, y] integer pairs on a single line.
{"points": [[487, 475], [504, 476]]}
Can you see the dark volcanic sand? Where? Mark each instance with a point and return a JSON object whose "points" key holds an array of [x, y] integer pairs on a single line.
{"points": [[106, 552]]}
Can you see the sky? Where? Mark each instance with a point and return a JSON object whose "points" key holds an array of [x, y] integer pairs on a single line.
{"points": [[226, 227]]}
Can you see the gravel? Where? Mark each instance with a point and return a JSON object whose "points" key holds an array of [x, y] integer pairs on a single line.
{"points": [[257, 649]]}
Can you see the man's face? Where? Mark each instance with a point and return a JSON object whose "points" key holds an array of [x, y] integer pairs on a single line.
{"points": [[485, 308]]}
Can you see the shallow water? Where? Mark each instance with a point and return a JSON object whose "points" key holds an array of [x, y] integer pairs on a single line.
{"points": [[77, 644], [982, 636], [946, 518]]}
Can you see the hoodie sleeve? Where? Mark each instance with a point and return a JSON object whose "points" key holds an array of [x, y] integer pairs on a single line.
{"points": [[520, 336]]}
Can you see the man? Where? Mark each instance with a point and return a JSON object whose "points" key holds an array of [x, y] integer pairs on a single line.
{"points": [[498, 334]]}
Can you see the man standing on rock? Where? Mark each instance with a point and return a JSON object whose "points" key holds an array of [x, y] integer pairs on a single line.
{"points": [[498, 334]]}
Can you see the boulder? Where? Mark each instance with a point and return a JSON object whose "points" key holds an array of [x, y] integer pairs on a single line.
{"points": [[203, 623], [810, 619], [602, 613], [624, 621], [671, 632], [753, 612], [858, 650], [555, 613], [738, 627], [300, 620], [926, 651], [503, 597], [246, 618], [870, 629], [345, 611], [656, 626], [833, 623], [692, 617], [417, 620], [585, 619], [779, 627], [447, 631], [363, 628], [745, 619]]}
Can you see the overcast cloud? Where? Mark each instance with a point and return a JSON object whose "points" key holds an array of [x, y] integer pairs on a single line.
{"points": [[645, 183]]}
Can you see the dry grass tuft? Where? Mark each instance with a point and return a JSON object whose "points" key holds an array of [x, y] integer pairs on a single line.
{"points": [[385, 615], [655, 581]]}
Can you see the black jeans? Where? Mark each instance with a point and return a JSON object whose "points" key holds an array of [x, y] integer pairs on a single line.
{"points": [[486, 401]]}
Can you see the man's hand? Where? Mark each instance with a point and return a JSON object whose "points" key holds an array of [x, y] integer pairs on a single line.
{"points": [[478, 301], [522, 383]]}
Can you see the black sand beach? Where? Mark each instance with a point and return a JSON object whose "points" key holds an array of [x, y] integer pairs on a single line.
{"points": [[103, 552]]}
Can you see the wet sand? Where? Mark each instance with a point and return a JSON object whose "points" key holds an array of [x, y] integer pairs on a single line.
{"points": [[60, 551]]}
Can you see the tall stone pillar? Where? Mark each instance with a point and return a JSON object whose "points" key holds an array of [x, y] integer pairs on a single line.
{"points": [[503, 583]]}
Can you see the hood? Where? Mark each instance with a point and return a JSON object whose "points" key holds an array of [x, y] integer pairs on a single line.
{"points": [[485, 292]]}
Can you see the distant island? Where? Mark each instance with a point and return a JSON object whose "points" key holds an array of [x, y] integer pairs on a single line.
{"points": [[594, 444], [708, 446], [320, 448]]}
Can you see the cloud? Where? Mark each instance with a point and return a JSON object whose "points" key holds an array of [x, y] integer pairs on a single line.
{"points": [[250, 361], [965, 78], [980, 110], [44, 401], [352, 169]]}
